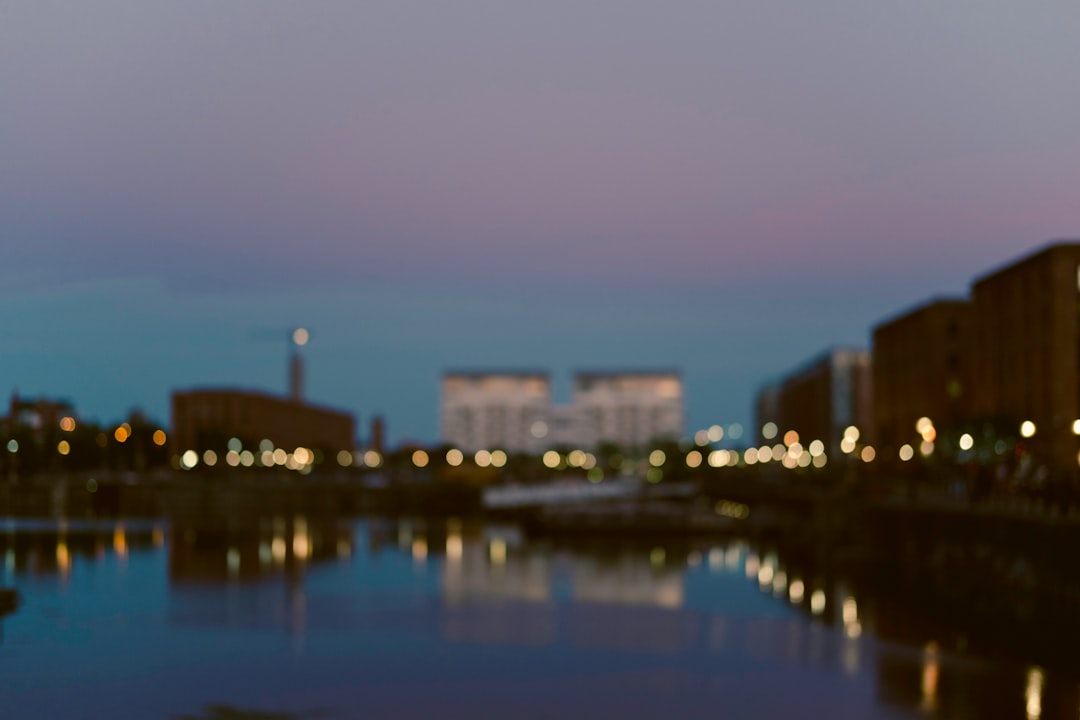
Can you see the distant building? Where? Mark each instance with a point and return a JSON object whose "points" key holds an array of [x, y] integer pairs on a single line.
{"points": [[1027, 351], [512, 410], [922, 368], [495, 410], [628, 409], [821, 398], [39, 414], [767, 410], [207, 419]]}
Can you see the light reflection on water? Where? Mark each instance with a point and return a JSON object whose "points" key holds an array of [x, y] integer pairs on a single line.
{"points": [[418, 617]]}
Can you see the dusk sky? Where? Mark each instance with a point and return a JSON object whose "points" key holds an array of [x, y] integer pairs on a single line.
{"points": [[723, 187]]}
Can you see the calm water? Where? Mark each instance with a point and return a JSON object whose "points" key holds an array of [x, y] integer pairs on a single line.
{"points": [[444, 619]]}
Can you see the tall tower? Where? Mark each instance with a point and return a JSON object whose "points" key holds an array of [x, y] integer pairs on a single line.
{"points": [[300, 337]]}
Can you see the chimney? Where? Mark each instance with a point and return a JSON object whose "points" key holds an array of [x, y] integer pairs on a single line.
{"points": [[296, 377]]}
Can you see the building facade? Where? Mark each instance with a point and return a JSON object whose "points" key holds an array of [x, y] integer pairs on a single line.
{"points": [[1026, 366], [822, 398], [513, 411], [495, 410], [628, 409], [206, 419], [922, 368]]}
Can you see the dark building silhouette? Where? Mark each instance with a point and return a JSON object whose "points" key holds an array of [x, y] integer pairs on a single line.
{"points": [[206, 419], [377, 441], [821, 398], [922, 368], [1027, 351]]}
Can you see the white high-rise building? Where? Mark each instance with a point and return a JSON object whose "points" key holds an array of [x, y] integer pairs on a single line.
{"points": [[495, 410], [512, 411], [629, 409]]}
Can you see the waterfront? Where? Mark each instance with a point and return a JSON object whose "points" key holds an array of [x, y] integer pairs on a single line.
{"points": [[324, 617]]}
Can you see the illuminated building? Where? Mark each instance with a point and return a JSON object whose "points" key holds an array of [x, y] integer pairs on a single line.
{"points": [[207, 419], [490, 410], [513, 410], [628, 409], [822, 398], [922, 369], [1027, 351]]}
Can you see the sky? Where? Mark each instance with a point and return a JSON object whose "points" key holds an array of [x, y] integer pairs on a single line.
{"points": [[724, 187]]}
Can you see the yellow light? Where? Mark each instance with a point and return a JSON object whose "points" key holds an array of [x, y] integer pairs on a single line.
{"points": [[750, 456], [576, 458], [764, 454], [966, 442], [419, 549], [817, 602], [769, 430], [498, 458], [922, 425], [121, 434], [1033, 692], [67, 424], [344, 458], [301, 544], [552, 459], [497, 551], [1027, 429], [159, 437], [189, 459], [868, 454], [906, 452], [454, 457], [454, 546], [816, 448], [715, 433], [847, 446], [63, 447], [851, 432], [280, 456], [420, 459], [482, 458], [119, 541], [1076, 427], [657, 458], [63, 557], [303, 456]]}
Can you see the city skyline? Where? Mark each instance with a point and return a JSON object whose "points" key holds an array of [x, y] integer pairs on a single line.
{"points": [[424, 188]]}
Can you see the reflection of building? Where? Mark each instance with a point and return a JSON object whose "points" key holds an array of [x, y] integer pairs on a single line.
{"points": [[207, 419], [488, 410], [921, 369], [822, 398], [1027, 350], [629, 409]]}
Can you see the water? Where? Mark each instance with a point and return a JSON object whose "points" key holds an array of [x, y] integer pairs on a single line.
{"points": [[448, 619]]}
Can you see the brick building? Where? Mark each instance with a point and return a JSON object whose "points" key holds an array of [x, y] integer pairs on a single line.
{"points": [[1026, 367], [922, 368], [205, 419]]}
